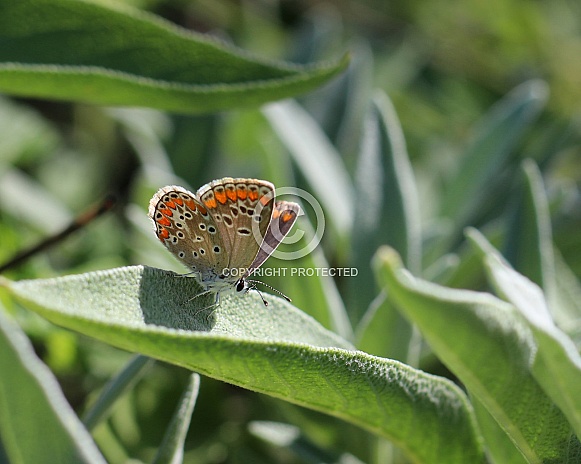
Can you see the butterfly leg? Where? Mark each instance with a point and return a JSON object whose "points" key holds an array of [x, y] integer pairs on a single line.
{"points": [[189, 300], [213, 305]]}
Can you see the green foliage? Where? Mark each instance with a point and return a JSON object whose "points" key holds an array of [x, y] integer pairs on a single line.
{"points": [[79, 51], [457, 204], [498, 373], [36, 419], [172, 448], [276, 350]]}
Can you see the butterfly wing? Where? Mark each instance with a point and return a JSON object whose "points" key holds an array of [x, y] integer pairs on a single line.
{"points": [[189, 232], [234, 205], [284, 215]]}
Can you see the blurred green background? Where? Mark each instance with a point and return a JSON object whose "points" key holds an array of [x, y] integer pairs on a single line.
{"points": [[444, 65]]}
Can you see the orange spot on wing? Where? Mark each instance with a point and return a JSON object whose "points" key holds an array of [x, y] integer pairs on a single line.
{"points": [[202, 210], [211, 203], [179, 201], [163, 234], [220, 196], [231, 194], [164, 222], [241, 193], [253, 195], [288, 216], [170, 204], [191, 204], [167, 212]]}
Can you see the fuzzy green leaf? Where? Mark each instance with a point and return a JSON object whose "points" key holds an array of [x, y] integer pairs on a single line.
{"points": [[36, 422], [317, 159], [529, 246], [386, 213], [80, 51], [495, 138], [276, 350], [484, 341], [172, 449], [557, 363]]}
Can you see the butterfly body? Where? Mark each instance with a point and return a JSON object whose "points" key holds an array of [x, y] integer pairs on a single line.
{"points": [[224, 231]]}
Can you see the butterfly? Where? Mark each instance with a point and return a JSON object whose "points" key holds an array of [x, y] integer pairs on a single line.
{"points": [[223, 232]]}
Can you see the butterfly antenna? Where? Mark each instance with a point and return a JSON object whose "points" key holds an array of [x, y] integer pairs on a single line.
{"points": [[260, 294], [254, 282]]}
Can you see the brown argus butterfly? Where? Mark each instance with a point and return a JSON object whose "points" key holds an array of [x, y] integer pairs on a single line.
{"points": [[223, 232]]}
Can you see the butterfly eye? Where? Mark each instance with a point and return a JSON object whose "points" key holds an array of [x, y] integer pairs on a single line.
{"points": [[240, 285]]}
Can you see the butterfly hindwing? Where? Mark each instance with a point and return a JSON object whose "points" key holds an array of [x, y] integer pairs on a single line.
{"points": [[188, 231]]}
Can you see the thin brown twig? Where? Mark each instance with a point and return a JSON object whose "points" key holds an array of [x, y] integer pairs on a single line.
{"points": [[80, 221]]}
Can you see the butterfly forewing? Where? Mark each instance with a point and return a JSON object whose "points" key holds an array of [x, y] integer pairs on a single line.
{"points": [[235, 204]]}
